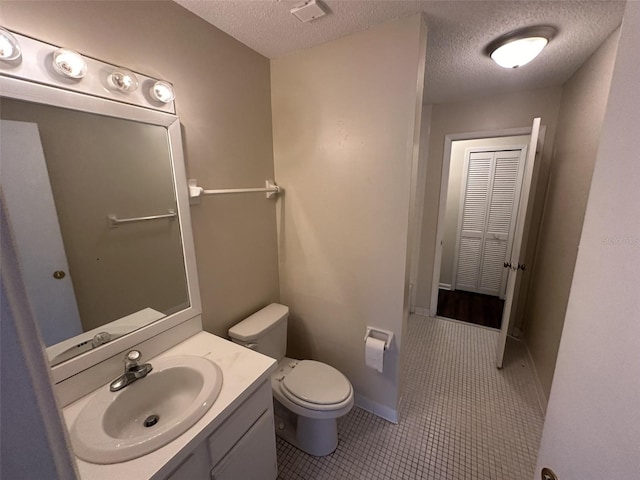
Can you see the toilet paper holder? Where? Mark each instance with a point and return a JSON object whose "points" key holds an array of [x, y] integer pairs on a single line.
{"points": [[380, 334]]}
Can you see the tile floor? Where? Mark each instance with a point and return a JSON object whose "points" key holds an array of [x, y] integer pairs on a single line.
{"points": [[460, 418]]}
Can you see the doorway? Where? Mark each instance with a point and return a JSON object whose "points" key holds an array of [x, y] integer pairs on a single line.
{"points": [[481, 181]]}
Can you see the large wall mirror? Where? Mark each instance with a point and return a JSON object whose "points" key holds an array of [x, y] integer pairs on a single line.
{"points": [[95, 193]]}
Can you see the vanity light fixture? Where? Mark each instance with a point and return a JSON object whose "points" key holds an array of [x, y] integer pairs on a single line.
{"points": [[69, 64], [122, 80], [519, 47], [162, 91], [9, 46]]}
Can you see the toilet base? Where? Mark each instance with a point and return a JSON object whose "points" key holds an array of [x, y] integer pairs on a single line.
{"points": [[313, 436]]}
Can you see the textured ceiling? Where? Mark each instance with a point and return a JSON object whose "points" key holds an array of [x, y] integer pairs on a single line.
{"points": [[458, 31]]}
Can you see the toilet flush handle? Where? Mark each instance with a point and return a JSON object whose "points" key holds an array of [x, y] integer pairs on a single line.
{"points": [[251, 346]]}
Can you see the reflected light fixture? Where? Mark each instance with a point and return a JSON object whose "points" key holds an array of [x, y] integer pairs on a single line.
{"points": [[162, 91], [69, 64], [9, 46], [519, 47], [122, 80]]}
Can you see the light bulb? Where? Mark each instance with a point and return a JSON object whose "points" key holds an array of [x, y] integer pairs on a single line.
{"points": [[9, 46], [69, 64], [122, 80], [162, 91], [518, 52]]}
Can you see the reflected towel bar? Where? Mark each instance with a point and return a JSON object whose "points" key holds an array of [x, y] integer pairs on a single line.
{"points": [[114, 221], [195, 192]]}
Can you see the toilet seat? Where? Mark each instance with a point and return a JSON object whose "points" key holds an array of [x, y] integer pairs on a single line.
{"points": [[316, 386]]}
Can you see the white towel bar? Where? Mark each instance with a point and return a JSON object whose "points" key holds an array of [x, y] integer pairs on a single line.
{"points": [[114, 221], [195, 191]]}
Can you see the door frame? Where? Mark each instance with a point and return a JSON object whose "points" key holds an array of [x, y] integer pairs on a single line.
{"points": [[444, 186]]}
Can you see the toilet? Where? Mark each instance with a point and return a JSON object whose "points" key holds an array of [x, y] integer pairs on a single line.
{"points": [[309, 396]]}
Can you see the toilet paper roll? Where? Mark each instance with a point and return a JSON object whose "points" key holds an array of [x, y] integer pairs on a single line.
{"points": [[374, 353]]}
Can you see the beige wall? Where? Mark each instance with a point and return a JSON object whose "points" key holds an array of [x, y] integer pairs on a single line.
{"points": [[344, 115], [223, 100], [456, 168], [515, 110], [582, 108]]}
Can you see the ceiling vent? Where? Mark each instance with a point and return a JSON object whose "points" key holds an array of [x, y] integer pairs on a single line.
{"points": [[309, 11]]}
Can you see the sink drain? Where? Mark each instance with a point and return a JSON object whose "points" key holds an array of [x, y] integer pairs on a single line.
{"points": [[151, 420]]}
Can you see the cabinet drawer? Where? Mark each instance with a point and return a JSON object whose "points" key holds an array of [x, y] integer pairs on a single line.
{"points": [[232, 430]]}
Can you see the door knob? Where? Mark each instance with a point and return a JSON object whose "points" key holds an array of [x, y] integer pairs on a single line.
{"points": [[548, 474], [522, 266], [507, 264], [59, 274]]}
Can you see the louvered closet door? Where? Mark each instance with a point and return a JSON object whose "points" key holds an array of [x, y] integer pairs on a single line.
{"points": [[473, 219], [504, 186], [490, 191]]}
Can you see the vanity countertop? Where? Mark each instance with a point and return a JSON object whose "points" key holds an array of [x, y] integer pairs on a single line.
{"points": [[243, 371]]}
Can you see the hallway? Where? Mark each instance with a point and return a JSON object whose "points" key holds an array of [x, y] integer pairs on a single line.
{"points": [[460, 418]]}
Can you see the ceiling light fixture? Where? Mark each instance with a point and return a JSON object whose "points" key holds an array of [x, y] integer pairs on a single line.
{"points": [[122, 80], [69, 64], [162, 91], [519, 47], [9, 46]]}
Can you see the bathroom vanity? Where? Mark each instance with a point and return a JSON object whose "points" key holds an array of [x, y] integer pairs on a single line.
{"points": [[234, 439]]}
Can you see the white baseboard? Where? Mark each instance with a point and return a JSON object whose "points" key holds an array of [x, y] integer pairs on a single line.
{"points": [[382, 411], [445, 286], [542, 396], [423, 311]]}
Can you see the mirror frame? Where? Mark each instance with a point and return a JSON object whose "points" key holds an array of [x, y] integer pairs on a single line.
{"points": [[38, 93]]}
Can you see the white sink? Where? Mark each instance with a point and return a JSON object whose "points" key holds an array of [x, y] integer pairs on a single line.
{"points": [[179, 391]]}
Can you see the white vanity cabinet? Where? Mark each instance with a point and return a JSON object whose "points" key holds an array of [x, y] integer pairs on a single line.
{"points": [[235, 439], [241, 448]]}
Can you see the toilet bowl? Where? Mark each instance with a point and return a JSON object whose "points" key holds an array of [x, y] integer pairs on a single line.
{"points": [[309, 396]]}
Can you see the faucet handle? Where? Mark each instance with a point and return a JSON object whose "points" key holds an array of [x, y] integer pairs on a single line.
{"points": [[131, 359]]}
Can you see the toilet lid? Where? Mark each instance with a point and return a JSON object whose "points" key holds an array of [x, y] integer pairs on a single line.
{"points": [[316, 382]]}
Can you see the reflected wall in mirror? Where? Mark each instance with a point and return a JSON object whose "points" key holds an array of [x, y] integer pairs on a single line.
{"points": [[63, 173]]}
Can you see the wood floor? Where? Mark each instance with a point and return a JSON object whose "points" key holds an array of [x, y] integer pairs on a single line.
{"points": [[470, 307]]}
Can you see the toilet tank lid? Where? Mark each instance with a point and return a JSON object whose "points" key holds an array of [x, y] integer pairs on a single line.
{"points": [[260, 322]]}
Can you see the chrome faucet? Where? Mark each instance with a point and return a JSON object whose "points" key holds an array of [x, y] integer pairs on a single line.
{"points": [[132, 371]]}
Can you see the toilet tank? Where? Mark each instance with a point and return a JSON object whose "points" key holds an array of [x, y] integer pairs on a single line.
{"points": [[265, 331]]}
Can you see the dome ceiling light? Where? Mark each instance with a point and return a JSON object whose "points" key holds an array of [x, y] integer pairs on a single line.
{"points": [[519, 47]]}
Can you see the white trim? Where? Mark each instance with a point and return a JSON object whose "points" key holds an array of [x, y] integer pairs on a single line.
{"points": [[445, 286], [57, 97], [382, 411], [444, 185], [540, 393], [425, 312]]}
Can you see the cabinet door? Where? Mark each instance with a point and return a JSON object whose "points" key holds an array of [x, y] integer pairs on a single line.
{"points": [[253, 457], [195, 467]]}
